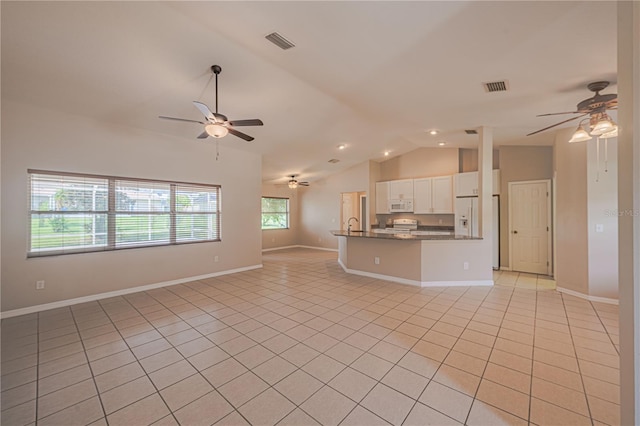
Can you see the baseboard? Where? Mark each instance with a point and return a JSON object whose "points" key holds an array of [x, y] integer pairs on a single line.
{"points": [[279, 248], [416, 282], [299, 246], [587, 296], [474, 283], [505, 268], [99, 296], [318, 248]]}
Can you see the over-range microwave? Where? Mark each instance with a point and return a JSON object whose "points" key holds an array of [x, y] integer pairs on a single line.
{"points": [[399, 206]]}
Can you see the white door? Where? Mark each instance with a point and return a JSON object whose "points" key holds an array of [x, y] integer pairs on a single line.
{"points": [[529, 226]]}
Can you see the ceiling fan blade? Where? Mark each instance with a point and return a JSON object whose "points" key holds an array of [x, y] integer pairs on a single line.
{"points": [[240, 134], [558, 113], [203, 135], [179, 119], [204, 110], [250, 122], [557, 124], [303, 183]]}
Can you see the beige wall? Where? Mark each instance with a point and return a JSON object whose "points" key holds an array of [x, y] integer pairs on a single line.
{"points": [[468, 160], [320, 205], [421, 162], [48, 140], [519, 163], [273, 238], [571, 271], [602, 193], [629, 205]]}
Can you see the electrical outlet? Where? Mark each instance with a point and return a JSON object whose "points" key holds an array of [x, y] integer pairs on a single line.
{"points": [[465, 266], [215, 258], [439, 221], [376, 260], [40, 285], [319, 239]]}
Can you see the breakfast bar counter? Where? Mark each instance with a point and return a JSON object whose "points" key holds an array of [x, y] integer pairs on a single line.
{"points": [[420, 260], [407, 236]]}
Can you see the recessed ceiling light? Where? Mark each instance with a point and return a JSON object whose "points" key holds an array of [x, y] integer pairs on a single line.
{"points": [[342, 146], [442, 143], [386, 153], [433, 132]]}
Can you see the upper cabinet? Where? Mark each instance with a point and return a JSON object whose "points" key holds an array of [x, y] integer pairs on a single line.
{"points": [[466, 184], [400, 189], [382, 197], [433, 195]]}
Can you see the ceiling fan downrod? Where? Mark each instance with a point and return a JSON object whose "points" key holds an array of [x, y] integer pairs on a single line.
{"points": [[216, 69]]}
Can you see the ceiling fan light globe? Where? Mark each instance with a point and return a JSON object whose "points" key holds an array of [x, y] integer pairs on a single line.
{"points": [[216, 130], [611, 134], [580, 135], [601, 127], [293, 184]]}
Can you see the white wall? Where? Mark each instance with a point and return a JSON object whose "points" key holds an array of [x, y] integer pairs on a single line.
{"points": [[48, 140]]}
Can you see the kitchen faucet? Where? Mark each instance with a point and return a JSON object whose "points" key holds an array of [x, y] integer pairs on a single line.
{"points": [[349, 223]]}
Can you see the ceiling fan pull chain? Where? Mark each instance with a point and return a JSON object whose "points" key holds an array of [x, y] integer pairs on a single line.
{"points": [[598, 159], [217, 150], [606, 155]]}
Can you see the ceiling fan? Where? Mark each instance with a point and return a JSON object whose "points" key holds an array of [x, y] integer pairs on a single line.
{"points": [[217, 125], [595, 107], [293, 183]]}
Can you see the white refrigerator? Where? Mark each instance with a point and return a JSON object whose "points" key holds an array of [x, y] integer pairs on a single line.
{"points": [[466, 222]]}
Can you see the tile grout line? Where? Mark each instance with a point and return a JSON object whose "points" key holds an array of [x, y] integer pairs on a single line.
{"points": [[584, 389], [145, 371], [449, 350], [37, 367], [605, 327]]}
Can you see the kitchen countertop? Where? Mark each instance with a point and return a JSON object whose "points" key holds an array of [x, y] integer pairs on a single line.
{"points": [[364, 234]]}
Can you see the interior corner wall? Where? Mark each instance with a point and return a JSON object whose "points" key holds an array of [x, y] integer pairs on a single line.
{"points": [[468, 160], [64, 143], [519, 163], [421, 162], [374, 176], [602, 196], [274, 238], [320, 205], [572, 237]]}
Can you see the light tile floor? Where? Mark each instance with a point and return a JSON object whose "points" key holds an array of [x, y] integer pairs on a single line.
{"points": [[299, 342]]}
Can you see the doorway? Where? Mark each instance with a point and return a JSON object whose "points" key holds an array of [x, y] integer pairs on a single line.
{"points": [[530, 226]]}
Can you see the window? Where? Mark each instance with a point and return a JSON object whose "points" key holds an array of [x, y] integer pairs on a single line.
{"points": [[71, 213], [275, 213]]}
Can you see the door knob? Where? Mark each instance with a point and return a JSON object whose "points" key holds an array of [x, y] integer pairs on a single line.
{"points": [[515, 232]]}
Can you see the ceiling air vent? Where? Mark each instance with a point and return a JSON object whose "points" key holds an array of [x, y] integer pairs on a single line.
{"points": [[334, 160], [496, 86], [471, 132], [279, 41]]}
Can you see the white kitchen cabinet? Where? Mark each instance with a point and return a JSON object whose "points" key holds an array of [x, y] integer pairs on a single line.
{"points": [[442, 194], [401, 189], [433, 195], [466, 184], [382, 197]]}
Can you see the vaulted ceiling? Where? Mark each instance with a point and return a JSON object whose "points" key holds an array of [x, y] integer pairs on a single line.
{"points": [[375, 76]]}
